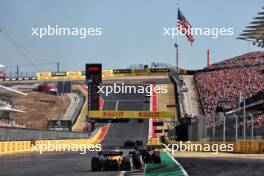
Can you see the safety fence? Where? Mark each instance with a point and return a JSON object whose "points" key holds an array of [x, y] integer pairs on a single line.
{"points": [[225, 128], [20, 134]]}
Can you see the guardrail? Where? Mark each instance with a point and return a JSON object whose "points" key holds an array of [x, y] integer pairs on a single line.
{"points": [[20, 134]]}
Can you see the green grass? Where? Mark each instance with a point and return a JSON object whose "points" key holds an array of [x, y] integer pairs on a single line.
{"points": [[167, 167]]}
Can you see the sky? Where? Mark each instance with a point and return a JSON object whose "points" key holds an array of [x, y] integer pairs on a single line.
{"points": [[132, 32]]}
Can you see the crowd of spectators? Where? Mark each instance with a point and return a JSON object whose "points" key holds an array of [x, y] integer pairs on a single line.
{"points": [[227, 80], [245, 60]]}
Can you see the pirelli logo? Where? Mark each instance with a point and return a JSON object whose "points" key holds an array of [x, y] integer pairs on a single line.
{"points": [[130, 114], [113, 114], [149, 114]]}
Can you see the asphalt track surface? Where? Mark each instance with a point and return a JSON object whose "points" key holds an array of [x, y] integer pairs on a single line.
{"points": [[222, 166], [73, 163]]}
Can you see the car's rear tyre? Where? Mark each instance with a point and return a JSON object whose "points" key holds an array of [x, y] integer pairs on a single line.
{"points": [[156, 157], [137, 161], [146, 157], [96, 164], [110, 165], [126, 164]]}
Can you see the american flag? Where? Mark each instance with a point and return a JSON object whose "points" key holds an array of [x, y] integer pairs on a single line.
{"points": [[184, 26]]}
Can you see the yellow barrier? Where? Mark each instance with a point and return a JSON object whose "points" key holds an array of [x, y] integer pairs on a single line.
{"points": [[14, 147], [253, 146], [249, 146], [130, 114]]}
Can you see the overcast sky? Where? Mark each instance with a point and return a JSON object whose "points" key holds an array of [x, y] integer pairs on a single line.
{"points": [[132, 32]]}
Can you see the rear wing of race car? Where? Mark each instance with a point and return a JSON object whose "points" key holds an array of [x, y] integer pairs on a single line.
{"points": [[149, 147], [153, 147], [110, 153], [146, 148]]}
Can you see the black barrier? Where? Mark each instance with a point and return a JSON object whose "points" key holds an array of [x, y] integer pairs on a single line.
{"points": [[58, 73], [159, 70], [120, 71], [181, 133], [63, 124]]}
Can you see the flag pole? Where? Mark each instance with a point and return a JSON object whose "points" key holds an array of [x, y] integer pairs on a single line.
{"points": [[176, 43]]}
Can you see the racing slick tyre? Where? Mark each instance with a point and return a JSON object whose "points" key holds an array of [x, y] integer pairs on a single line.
{"points": [[126, 164], [156, 157], [96, 164], [110, 165], [137, 161], [146, 157]]}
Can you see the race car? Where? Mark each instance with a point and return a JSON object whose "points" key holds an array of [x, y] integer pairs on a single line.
{"points": [[111, 161], [129, 144], [132, 144], [147, 155], [117, 160]]}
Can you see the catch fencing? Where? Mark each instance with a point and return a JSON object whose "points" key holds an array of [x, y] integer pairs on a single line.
{"points": [[20, 134]]}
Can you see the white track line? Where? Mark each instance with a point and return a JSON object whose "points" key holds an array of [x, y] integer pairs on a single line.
{"points": [[150, 119], [116, 107], [177, 163]]}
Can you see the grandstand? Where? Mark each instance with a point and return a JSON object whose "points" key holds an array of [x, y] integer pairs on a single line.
{"points": [[221, 85], [255, 31], [225, 80]]}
